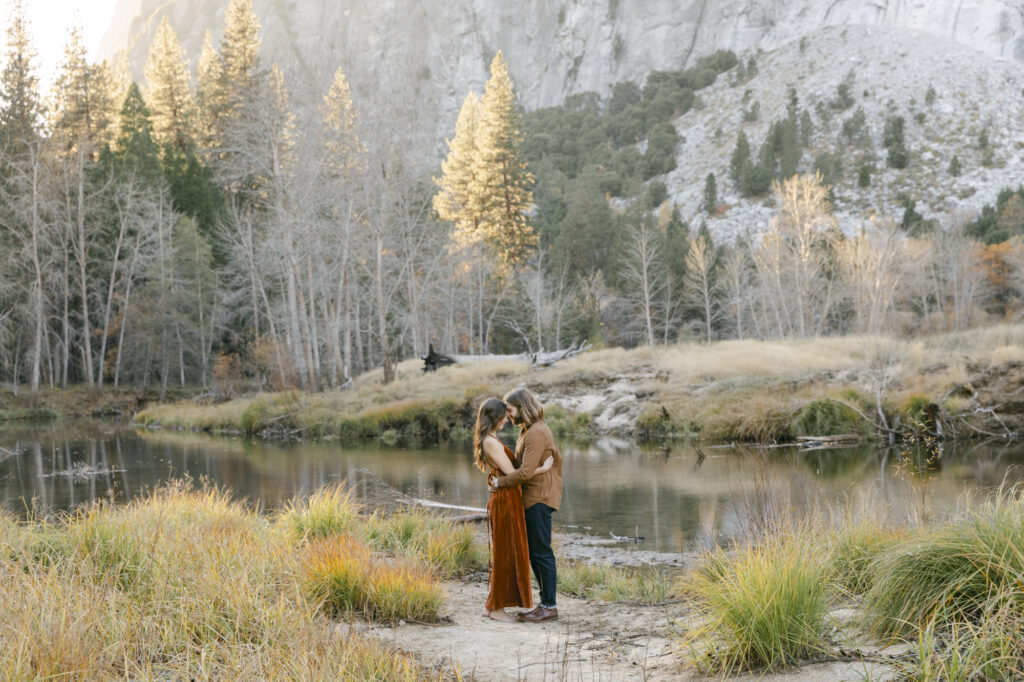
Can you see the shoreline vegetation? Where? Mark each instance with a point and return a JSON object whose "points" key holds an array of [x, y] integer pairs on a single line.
{"points": [[188, 582], [949, 386], [950, 592]]}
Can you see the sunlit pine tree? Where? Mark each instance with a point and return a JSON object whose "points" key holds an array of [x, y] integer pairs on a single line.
{"points": [[458, 197], [169, 96], [239, 55], [505, 186], [209, 97], [84, 105], [137, 152]]}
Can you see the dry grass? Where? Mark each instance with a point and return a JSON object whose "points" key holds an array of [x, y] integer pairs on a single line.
{"points": [[732, 390], [190, 584]]}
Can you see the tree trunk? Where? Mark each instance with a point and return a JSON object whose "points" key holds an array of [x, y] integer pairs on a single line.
{"points": [[382, 320], [82, 253]]}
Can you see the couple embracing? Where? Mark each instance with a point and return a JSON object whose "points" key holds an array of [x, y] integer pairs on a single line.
{"points": [[526, 487]]}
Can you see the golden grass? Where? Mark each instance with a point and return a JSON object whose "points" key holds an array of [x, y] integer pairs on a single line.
{"points": [[190, 584]]}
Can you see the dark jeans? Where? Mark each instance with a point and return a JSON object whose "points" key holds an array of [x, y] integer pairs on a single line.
{"points": [[542, 559]]}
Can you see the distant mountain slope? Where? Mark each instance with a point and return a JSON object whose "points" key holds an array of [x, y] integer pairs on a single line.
{"points": [[892, 71], [554, 49], [429, 53]]}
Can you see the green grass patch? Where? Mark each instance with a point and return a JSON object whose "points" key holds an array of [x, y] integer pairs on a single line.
{"points": [[31, 414], [990, 649], [567, 424], [950, 574], [762, 608], [648, 586]]}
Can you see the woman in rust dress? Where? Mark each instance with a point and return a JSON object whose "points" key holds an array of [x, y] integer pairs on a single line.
{"points": [[510, 560]]}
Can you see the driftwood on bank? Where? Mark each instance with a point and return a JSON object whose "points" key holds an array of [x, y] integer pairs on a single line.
{"points": [[434, 360]]}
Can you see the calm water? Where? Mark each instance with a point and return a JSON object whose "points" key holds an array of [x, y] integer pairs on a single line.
{"points": [[611, 486]]}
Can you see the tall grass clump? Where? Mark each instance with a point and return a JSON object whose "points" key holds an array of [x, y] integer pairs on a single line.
{"points": [[990, 649], [764, 607], [854, 550], [331, 510], [341, 574], [950, 574], [449, 549]]}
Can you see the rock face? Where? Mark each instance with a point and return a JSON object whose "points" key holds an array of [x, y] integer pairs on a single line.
{"points": [[420, 57], [441, 49]]}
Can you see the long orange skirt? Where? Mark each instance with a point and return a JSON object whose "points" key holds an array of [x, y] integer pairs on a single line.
{"points": [[510, 564]]}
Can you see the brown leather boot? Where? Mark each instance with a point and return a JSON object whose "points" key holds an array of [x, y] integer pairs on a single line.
{"points": [[538, 615]]}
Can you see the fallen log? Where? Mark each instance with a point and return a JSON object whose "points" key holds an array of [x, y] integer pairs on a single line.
{"points": [[433, 360], [468, 518], [841, 437]]}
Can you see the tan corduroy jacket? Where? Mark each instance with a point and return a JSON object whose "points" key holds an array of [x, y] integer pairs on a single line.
{"points": [[536, 444]]}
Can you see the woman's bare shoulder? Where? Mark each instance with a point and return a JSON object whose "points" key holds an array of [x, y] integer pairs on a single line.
{"points": [[493, 447]]}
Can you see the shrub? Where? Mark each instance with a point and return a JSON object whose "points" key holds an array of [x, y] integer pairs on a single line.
{"points": [[825, 418], [854, 549]]}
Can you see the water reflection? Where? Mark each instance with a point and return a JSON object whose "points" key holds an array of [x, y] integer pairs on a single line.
{"points": [[670, 497]]}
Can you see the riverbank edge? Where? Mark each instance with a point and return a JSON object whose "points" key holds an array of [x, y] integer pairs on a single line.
{"points": [[949, 386], [975, 399]]}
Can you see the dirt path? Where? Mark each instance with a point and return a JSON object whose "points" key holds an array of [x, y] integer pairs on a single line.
{"points": [[591, 641]]}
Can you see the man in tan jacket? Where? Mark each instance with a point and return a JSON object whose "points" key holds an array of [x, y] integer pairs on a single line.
{"points": [[542, 494]]}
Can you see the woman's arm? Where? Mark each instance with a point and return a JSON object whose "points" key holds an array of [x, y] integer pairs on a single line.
{"points": [[496, 456]]}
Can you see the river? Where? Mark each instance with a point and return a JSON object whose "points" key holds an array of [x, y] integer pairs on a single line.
{"points": [[674, 499]]}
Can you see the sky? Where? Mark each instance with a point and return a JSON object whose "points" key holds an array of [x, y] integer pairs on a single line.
{"points": [[49, 22]]}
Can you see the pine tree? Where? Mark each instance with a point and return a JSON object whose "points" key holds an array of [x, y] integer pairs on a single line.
{"points": [[341, 122], [501, 189], [790, 148], [954, 167], [806, 128], [136, 150], [209, 97], [20, 104], [84, 108], [894, 141], [457, 198], [239, 54], [864, 176], [170, 98], [710, 194], [740, 156]]}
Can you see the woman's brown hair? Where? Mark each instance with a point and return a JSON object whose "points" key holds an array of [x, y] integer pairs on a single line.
{"points": [[530, 409], [489, 416]]}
